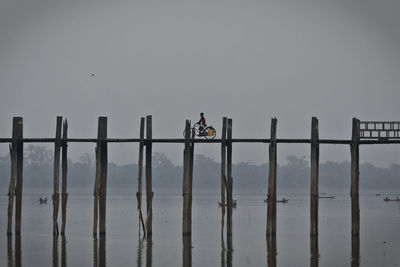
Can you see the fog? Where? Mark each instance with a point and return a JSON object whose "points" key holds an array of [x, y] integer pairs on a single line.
{"points": [[248, 60]]}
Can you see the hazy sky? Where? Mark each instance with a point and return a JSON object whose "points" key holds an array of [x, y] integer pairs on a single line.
{"points": [[249, 60]]}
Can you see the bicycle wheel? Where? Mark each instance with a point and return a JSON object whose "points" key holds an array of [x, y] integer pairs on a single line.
{"points": [[212, 135]]}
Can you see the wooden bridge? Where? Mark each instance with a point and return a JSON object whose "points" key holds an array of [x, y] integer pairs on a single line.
{"points": [[363, 133]]}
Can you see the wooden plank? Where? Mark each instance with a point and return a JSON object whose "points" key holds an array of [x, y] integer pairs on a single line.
{"points": [[314, 177], [140, 176], [56, 175], [64, 166], [19, 180], [186, 182], [149, 185], [102, 135], [355, 175], [229, 192], [271, 205]]}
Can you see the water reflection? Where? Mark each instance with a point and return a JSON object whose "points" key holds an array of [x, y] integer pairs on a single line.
{"points": [[314, 251], [55, 251], [271, 251], [63, 252], [355, 251], [18, 251], [10, 261], [149, 251], [139, 260], [187, 250], [99, 251]]}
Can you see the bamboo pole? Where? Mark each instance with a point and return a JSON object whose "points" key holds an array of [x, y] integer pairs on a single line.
{"points": [[314, 177], [230, 180], [355, 175], [102, 135], [64, 166], [271, 208], [140, 174], [56, 175], [20, 157], [223, 164], [149, 186], [186, 182]]}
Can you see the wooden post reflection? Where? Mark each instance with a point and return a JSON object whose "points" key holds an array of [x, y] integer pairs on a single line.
{"points": [[55, 251], [17, 251], [355, 251], [63, 251], [187, 251], [314, 251], [149, 251], [229, 250], [95, 252], [222, 237], [271, 251], [10, 261], [102, 251], [139, 259]]}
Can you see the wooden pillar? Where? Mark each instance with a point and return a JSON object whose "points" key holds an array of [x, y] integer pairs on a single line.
{"points": [[271, 208], [140, 175], [186, 226], [20, 156], [314, 251], [13, 178], [191, 164], [223, 164], [355, 251], [149, 186], [314, 177], [271, 251], [102, 145], [56, 175], [355, 174], [64, 167], [96, 191], [229, 181]]}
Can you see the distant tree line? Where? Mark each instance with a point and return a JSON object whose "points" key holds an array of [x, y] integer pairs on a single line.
{"points": [[38, 172]]}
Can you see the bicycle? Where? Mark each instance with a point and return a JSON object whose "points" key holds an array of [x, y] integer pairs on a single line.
{"points": [[208, 132]]}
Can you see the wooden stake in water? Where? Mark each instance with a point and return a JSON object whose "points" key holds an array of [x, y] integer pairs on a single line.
{"points": [[271, 208], [96, 192], [11, 189], [230, 180], [102, 136], [223, 164], [355, 175], [186, 182], [64, 166], [149, 184], [314, 177], [140, 175], [56, 175], [20, 157]]}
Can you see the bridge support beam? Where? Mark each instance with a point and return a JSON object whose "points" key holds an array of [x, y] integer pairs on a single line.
{"points": [[314, 177], [355, 177], [271, 209]]}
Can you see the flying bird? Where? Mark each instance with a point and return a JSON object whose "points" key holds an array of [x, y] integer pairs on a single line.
{"points": [[92, 75]]}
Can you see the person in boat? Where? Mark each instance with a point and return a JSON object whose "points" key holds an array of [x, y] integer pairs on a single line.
{"points": [[202, 123]]}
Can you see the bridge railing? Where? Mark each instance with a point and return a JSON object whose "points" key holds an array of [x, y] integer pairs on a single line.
{"points": [[379, 129]]}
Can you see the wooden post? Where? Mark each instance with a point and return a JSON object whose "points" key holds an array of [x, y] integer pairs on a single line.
{"points": [[186, 226], [140, 174], [314, 251], [11, 189], [187, 251], [55, 251], [230, 181], [223, 164], [355, 251], [96, 191], [63, 252], [102, 140], [20, 156], [271, 208], [64, 166], [149, 186], [355, 174], [56, 175], [314, 177], [271, 251], [191, 163]]}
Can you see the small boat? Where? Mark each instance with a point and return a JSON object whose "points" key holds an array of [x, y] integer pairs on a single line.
{"points": [[234, 203], [391, 199], [283, 200], [329, 197], [43, 200]]}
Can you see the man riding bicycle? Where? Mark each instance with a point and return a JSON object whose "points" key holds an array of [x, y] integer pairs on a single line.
{"points": [[202, 123]]}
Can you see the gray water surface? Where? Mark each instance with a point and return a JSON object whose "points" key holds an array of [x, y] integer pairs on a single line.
{"points": [[378, 244]]}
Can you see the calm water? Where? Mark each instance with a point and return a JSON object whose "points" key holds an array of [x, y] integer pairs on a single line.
{"points": [[378, 245]]}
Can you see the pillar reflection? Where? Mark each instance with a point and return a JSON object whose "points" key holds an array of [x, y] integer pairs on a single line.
{"points": [[10, 258], [18, 262], [271, 250], [187, 250], [314, 251], [55, 251], [139, 254], [149, 251], [63, 252], [355, 251]]}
